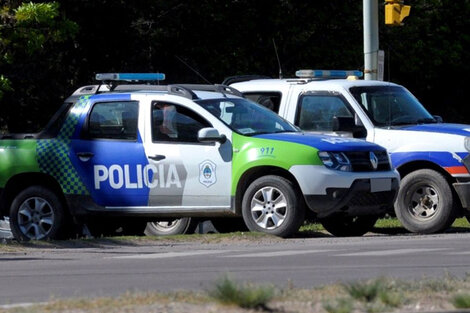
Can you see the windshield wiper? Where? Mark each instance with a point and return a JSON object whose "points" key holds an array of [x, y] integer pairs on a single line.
{"points": [[427, 120], [272, 132]]}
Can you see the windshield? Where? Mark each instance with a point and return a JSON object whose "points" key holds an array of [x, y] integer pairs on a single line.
{"points": [[391, 105], [246, 117]]}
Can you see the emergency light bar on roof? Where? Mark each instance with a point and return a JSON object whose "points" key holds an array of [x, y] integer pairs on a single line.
{"points": [[326, 74], [130, 76]]}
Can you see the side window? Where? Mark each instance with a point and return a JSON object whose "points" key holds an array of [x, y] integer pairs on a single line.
{"points": [[315, 112], [114, 120], [174, 123], [270, 100]]}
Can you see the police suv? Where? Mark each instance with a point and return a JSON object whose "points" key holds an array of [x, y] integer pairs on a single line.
{"points": [[432, 157], [123, 151]]}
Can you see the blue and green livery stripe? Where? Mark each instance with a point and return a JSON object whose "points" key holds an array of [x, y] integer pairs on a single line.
{"points": [[53, 154]]}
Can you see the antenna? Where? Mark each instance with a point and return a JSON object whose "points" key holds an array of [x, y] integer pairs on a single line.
{"points": [[278, 62], [192, 69]]}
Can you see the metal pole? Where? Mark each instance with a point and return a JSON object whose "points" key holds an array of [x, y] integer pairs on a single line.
{"points": [[371, 38]]}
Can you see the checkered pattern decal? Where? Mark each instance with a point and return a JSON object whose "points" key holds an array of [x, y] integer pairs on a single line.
{"points": [[53, 153]]}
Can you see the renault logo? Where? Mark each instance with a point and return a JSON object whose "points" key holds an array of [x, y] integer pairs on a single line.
{"points": [[373, 160]]}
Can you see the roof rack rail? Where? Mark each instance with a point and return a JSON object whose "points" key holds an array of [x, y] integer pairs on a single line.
{"points": [[182, 90], [223, 89], [242, 78]]}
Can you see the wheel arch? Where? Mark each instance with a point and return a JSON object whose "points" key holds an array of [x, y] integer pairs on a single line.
{"points": [[22, 181], [256, 172], [410, 167]]}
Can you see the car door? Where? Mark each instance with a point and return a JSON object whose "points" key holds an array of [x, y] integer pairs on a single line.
{"points": [[109, 154], [188, 174]]}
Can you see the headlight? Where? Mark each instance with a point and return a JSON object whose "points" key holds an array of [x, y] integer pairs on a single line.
{"points": [[335, 161], [467, 143]]}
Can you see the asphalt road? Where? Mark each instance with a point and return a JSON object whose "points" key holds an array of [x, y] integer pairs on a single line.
{"points": [[37, 274]]}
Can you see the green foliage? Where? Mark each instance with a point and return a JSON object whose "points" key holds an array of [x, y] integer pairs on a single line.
{"points": [[392, 299], [461, 301], [32, 36], [344, 305], [38, 23], [367, 291], [246, 296], [4, 85], [36, 13], [42, 50]]}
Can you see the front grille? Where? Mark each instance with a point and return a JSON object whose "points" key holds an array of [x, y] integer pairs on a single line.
{"points": [[360, 161]]}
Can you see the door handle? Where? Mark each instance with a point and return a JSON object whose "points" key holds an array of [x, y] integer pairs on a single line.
{"points": [[85, 154], [157, 157]]}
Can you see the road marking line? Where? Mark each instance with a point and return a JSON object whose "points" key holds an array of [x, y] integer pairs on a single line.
{"points": [[274, 253], [459, 253], [21, 305], [165, 255], [389, 252]]}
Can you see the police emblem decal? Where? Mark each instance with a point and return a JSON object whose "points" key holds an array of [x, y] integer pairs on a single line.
{"points": [[207, 173]]}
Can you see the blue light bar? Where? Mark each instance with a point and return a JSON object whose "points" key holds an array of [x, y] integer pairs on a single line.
{"points": [[326, 74], [130, 76]]}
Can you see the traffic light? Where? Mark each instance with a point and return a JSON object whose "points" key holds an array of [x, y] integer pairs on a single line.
{"points": [[395, 12]]}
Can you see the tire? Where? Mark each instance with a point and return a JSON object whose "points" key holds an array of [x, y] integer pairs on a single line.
{"points": [[37, 214], [229, 224], [172, 227], [348, 226], [262, 214], [425, 203]]}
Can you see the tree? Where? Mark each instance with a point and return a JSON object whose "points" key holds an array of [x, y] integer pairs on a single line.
{"points": [[30, 35]]}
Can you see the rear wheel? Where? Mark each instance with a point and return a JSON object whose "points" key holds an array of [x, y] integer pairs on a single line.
{"points": [[271, 205], [171, 227], [347, 226], [425, 203], [37, 214]]}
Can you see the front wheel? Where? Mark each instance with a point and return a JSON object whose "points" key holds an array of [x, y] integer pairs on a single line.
{"points": [[272, 205], [425, 203], [347, 226], [37, 214]]}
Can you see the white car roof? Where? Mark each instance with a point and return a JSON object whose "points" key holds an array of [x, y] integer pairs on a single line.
{"points": [[320, 83]]}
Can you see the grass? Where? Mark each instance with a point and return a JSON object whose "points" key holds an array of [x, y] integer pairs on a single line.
{"points": [[228, 291], [385, 225], [15, 246], [382, 294], [343, 305], [367, 291], [461, 301]]}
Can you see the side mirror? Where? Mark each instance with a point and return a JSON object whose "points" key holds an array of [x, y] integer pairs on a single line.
{"points": [[343, 123], [350, 124], [438, 118], [209, 134]]}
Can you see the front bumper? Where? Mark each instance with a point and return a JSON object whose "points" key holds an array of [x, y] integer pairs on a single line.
{"points": [[353, 193], [354, 201], [463, 191]]}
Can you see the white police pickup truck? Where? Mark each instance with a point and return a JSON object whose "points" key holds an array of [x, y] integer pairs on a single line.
{"points": [[432, 157], [137, 151]]}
